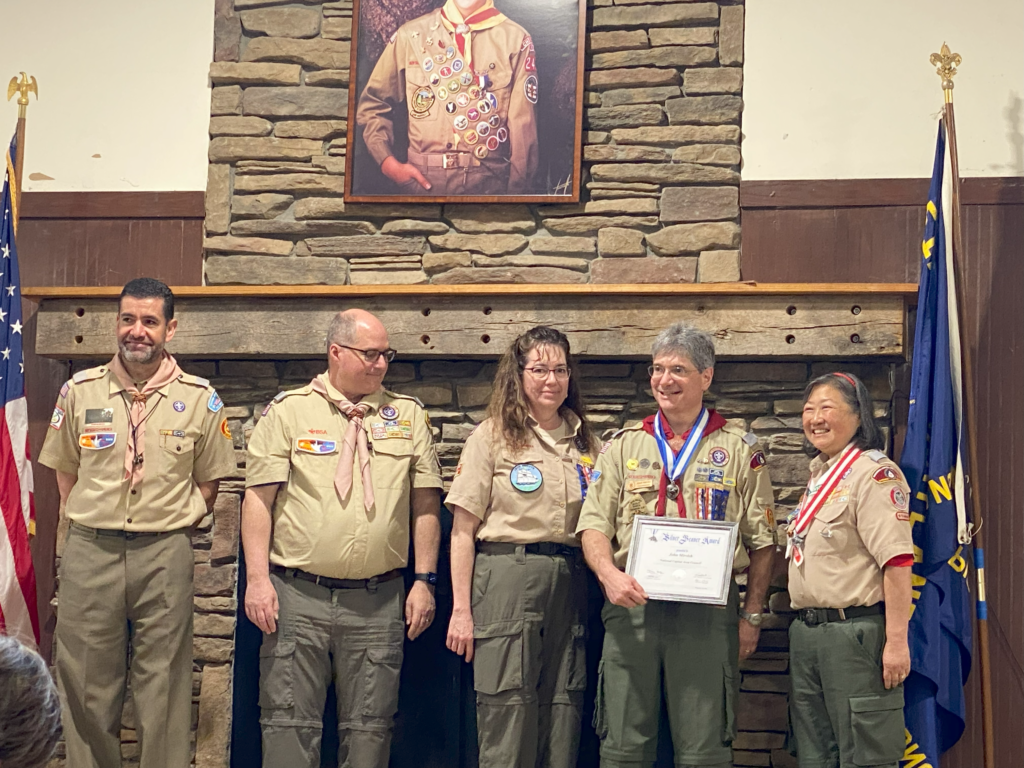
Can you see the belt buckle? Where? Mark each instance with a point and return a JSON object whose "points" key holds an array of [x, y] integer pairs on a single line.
{"points": [[842, 614], [810, 617], [449, 160]]}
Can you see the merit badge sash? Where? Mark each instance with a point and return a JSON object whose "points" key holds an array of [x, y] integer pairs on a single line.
{"points": [[814, 499], [675, 464]]}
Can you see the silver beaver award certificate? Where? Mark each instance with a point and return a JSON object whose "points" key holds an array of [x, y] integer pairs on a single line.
{"points": [[687, 561]]}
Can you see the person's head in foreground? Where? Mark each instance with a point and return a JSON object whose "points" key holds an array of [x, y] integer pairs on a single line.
{"points": [[29, 707]]}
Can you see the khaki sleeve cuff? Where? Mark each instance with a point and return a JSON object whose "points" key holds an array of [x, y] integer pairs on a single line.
{"points": [[886, 554], [470, 505], [595, 523], [57, 463], [427, 481], [270, 473], [219, 472]]}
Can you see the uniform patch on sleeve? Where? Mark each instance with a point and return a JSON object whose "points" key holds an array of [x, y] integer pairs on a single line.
{"points": [[214, 403], [899, 498], [606, 446], [903, 516], [769, 515], [65, 389], [886, 475], [57, 419], [224, 429], [530, 89], [757, 461], [458, 469]]}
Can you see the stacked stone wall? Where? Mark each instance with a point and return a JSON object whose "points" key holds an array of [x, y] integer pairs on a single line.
{"points": [[661, 159]]}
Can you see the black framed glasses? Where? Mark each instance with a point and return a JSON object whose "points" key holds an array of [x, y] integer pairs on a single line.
{"points": [[372, 355]]}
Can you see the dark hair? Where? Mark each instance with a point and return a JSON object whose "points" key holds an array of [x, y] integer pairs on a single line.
{"points": [[508, 406], [868, 436], [29, 707], [149, 288]]}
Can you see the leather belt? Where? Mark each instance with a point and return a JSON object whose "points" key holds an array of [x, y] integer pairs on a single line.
{"points": [[443, 159], [117, 533], [329, 583], [541, 548], [814, 616]]}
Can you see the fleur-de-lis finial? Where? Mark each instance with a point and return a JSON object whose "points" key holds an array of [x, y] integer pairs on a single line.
{"points": [[945, 63]]}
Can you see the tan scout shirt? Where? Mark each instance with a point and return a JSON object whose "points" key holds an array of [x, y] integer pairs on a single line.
{"points": [[483, 486], [863, 524], [631, 470], [503, 53], [187, 442], [297, 443]]}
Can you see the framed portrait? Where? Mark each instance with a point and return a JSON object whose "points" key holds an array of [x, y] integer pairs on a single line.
{"points": [[465, 101]]}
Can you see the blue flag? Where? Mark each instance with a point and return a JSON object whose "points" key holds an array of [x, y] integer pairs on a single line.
{"points": [[940, 623]]}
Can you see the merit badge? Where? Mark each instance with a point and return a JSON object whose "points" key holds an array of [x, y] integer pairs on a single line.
{"points": [[632, 464], [483, 128], [435, 79], [466, 77], [502, 135], [428, 65], [473, 114], [480, 152], [178, 406], [475, 92], [446, 71], [100, 415], [442, 93], [388, 412], [530, 89], [462, 100], [899, 498], [494, 121], [454, 86], [439, 58], [492, 143], [450, 108], [97, 441], [470, 137], [461, 123], [645, 463], [757, 461], [224, 430], [719, 457], [214, 403], [57, 419], [449, 52], [526, 478], [457, 65], [312, 445], [484, 106], [885, 475]]}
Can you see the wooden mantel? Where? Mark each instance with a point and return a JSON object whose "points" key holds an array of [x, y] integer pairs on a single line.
{"points": [[748, 320]]}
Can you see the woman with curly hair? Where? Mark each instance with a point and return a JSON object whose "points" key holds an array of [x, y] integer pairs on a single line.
{"points": [[29, 707], [518, 577]]}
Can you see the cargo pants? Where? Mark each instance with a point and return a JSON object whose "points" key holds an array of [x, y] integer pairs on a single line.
{"points": [[353, 636], [686, 653], [840, 711], [529, 663]]}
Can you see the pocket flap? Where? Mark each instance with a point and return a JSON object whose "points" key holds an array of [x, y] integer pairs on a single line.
{"points": [[394, 446], [390, 656], [498, 629], [889, 701], [280, 649], [579, 630], [829, 513]]}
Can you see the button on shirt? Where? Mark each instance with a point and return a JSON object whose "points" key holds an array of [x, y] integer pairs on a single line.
{"points": [[724, 470], [483, 485], [184, 445], [298, 442], [864, 523]]}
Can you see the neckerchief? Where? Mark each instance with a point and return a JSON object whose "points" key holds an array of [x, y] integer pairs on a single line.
{"points": [[714, 423], [485, 17], [814, 498], [135, 444], [354, 440]]}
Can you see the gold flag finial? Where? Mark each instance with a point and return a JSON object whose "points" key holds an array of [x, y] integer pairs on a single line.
{"points": [[945, 63], [23, 88]]}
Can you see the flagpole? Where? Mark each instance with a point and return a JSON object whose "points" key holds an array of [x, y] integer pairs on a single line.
{"points": [[946, 63], [23, 88]]}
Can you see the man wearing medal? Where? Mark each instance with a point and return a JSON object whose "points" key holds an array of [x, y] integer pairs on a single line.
{"points": [[685, 461], [468, 76]]}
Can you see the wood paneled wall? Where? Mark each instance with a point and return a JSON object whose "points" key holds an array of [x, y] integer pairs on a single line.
{"points": [[854, 230], [92, 239]]}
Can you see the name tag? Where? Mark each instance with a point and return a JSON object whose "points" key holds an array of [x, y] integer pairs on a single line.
{"points": [[312, 445], [641, 483], [97, 441], [99, 415]]}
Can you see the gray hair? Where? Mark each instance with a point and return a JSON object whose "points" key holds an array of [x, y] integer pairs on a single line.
{"points": [[686, 341], [342, 329], [29, 707]]}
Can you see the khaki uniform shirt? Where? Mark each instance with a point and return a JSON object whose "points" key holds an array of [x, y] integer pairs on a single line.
{"points": [[483, 485], [726, 465], [187, 442], [445, 112], [298, 442], [864, 523]]}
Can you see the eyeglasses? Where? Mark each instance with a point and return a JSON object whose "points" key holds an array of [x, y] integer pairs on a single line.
{"points": [[372, 355], [676, 371], [541, 373]]}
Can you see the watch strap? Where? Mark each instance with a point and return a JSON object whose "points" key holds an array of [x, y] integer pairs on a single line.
{"points": [[430, 578]]}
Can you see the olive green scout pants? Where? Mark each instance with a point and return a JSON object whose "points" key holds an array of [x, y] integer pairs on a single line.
{"points": [[529, 664], [686, 653], [842, 715], [351, 635]]}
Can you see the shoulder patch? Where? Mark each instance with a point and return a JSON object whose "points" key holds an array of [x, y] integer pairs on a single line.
{"points": [[89, 374], [65, 389], [214, 403], [876, 456]]}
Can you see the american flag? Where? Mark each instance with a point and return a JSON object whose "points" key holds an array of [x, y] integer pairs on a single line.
{"points": [[18, 615]]}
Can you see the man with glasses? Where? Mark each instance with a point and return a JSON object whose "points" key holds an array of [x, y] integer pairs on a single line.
{"points": [[684, 461], [340, 474]]}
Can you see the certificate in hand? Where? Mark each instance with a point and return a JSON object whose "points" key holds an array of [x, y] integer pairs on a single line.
{"points": [[687, 561]]}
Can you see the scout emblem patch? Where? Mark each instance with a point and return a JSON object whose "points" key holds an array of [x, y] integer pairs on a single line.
{"points": [[526, 478], [215, 403], [422, 101], [388, 412], [224, 430], [97, 441], [99, 415], [530, 89], [899, 498], [312, 445], [757, 461], [719, 457], [179, 406], [885, 475], [57, 419]]}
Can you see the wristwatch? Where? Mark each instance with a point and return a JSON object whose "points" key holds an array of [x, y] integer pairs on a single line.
{"points": [[753, 619], [430, 578]]}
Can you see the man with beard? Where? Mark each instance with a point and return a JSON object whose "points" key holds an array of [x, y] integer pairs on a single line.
{"points": [[139, 448]]}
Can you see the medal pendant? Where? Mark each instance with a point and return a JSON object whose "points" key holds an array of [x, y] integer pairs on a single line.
{"points": [[672, 491]]}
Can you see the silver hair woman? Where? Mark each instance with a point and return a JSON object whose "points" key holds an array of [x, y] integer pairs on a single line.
{"points": [[29, 707]]}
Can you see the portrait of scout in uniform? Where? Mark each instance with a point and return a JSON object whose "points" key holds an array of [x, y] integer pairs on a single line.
{"points": [[451, 99]]}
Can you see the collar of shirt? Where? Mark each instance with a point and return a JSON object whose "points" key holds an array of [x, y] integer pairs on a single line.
{"points": [[820, 464], [542, 434], [373, 399], [116, 387]]}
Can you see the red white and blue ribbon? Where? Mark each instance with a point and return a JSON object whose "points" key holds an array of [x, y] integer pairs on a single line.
{"points": [[675, 464]]}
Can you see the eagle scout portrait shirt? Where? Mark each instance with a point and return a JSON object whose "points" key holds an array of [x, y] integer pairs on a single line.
{"points": [[187, 441], [727, 479], [864, 523], [526, 497], [298, 442]]}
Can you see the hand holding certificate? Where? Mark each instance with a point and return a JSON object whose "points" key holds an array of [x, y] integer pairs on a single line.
{"points": [[683, 560]]}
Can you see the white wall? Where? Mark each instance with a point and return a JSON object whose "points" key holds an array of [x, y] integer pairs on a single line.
{"points": [[122, 79], [845, 90]]}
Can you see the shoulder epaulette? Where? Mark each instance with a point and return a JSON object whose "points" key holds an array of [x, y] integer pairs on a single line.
{"points": [[286, 393], [89, 374], [876, 456], [399, 396], [199, 381], [738, 427]]}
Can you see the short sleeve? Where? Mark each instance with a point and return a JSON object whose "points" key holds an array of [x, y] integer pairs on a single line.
{"points": [[215, 451], [883, 520], [60, 446], [757, 522], [426, 470], [601, 506], [269, 453], [471, 488]]}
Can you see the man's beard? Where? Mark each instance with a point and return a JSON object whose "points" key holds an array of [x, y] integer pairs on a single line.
{"points": [[140, 356]]}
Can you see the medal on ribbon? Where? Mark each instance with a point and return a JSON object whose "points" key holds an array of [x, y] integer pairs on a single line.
{"points": [[675, 464], [814, 499]]}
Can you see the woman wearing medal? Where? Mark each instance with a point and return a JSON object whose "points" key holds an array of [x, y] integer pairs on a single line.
{"points": [[850, 551], [518, 577]]}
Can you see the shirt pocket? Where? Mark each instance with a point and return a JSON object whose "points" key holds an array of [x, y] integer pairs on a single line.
{"points": [[516, 479], [419, 92], [501, 87], [830, 532], [177, 451], [390, 462]]}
